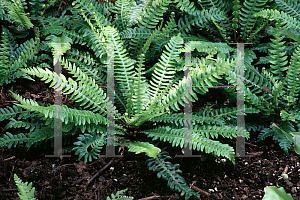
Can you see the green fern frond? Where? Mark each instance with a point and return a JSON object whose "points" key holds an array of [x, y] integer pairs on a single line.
{"points": [[199, 118], [254, 92], [210, 47], [89, 65], [259, 101], [236, 13], [17, 124], [254, 127], [248, 21], [16, 11], [224, 5], [256, 80], [201, 20], [293, 34], [263, 47], [139, 88], [255, 35], [9, 112], [154, 14], [284, 20], [128, 13], [197, 141], [36, 7], [89, 146], [86, 91], [26, 191], [159, 38], [290, 7], [164, 70], [68, 114], [58, 29], [215, 116], [9, 139], [283, 141], [170, 172], [119, 195], [18, 58], [278, 90], [65, 44], [168, 30], [38, 132], [53, 29], [2, 13], [136, 33], [83, 31], [120, 98], [152, 110], [146, 46], [124, 72], [88, 9], [221, 30], [9, 44], [278, 58], [187, 7], [202, 75], [137, 45], [293, 78], [144, 147]]}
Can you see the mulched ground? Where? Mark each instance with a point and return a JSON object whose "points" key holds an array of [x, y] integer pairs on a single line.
{"points": [[68, 178]]}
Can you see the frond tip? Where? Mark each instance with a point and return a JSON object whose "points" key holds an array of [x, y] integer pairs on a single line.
{"points": [[170, 172], [140, 147], [25, 190], [89, 146]]}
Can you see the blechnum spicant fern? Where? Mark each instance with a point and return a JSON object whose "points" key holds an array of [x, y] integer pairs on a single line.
{"points": [[275, 91], [145, 101], [139, 101]]}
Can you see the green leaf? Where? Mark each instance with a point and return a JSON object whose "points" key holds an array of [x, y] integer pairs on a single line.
{"points": [[272, 193], [296, 140], [140, 147]]}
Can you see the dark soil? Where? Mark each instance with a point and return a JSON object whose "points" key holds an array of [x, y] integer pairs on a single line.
{"points": [[67, 178]]}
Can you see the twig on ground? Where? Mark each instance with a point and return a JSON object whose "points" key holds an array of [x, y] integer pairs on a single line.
{"points": [[202, 192], [98, 173], [253, 145], [10, 190], [285, 170], [149, 198], [10, 158], [256, 153], [79, 180]]}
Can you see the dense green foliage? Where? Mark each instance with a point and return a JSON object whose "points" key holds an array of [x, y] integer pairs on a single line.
{"points": [[149, 39]]}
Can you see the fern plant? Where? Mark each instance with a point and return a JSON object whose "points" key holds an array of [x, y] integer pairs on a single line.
{"points": [[149, 81], [276, 91], [142, 106], [142, 102]]}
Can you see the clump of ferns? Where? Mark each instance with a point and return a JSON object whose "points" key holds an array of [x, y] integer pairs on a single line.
{"points": [[148, 102]]}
